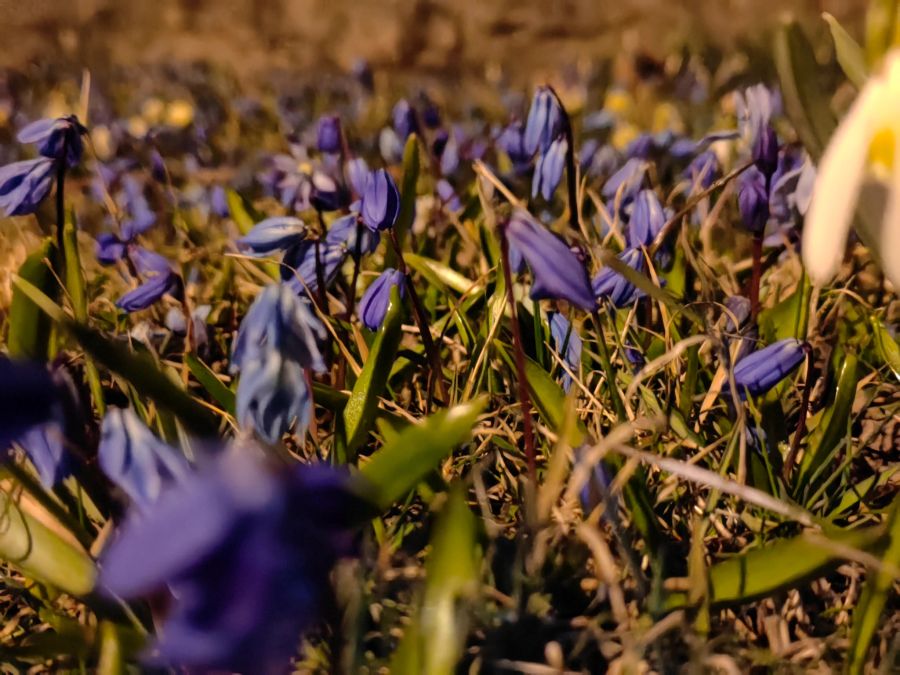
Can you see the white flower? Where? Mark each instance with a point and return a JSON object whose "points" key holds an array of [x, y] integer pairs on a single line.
{"points": [[863, 152]]}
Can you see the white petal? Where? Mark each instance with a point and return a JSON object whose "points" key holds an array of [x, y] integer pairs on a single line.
{"points": [[889, 239], [838, 182]]}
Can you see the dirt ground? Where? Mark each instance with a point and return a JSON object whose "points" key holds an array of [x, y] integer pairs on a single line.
{"points": [[442, 37]]}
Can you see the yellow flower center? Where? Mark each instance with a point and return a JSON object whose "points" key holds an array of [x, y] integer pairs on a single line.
{"points": [[881, 151]]}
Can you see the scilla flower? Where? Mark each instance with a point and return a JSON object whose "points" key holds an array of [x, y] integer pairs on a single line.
{"points": [[753, 199], [863, 152], [549, 169], [758, 372], [544, 121], [380, 201], [612, 286], [558, 273], [273, 234], [647, 219], [568, 345], [374, 303], [246, 553]]}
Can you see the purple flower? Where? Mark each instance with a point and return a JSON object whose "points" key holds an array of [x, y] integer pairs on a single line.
{"points": [[448, 195], [142, 218], [25, 184], [647, 219], [753, 199], [567, 343], [328, 135], [612, 286], [549, 169], [136, 460], [758, 372], [273, 234], [349, 233], [703, 170], [628, 179], [380, 201], [53, 136], [218, 201], [150, 292], [356, 172], [544, 122], [247, 554], [405, 119], [756, 107], [300, 268], [512, 141], [273, 395], [374, 303], [45, 446], [449, 154], [558, 273]]}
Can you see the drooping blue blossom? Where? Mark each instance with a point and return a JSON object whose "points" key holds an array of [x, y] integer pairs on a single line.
{"points": [[328, 134], [549, 169], [140, 216], [755, 108], [136, 460], [557, 272], [356, 172], [374, 303], [303, 263], [348, 232], [150, 292], [25, 184], [449, 153], [788, 198], [625, 183], [45, 446], [753, 199], [326, 194], [54, 136], [647, 219], [273, 234], [246, 553], [611, 286], [512, 141], [176, 322], [447, 194], [702, 171], [758, 372], [568, 345], [738, 312], [545, 120], [278, 338], [405, 119], [380, 201]]}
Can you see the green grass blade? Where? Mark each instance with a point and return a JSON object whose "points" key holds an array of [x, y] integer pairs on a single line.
{"points": [[29, 327]]}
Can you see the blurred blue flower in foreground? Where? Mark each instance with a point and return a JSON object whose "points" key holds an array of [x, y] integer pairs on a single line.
{"points": [[374, 303], [557, 271], [136, 460], [380, 201], [544, 122], [24, 185], [246, 553], [612, 286], [567, 343], [277, 341], [758, 372], [549, 169], [273, 234]]}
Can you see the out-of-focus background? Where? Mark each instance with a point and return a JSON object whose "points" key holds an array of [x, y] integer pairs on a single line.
{"points": [[466, 38]]}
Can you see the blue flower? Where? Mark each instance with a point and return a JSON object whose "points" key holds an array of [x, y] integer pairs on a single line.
{"points": [[25, 184], [756, 107], [52, 135], [349, 233], [647, 219], [448, 195], [374, 303], [300, 270], [753, 199], [549, 169], [380, 201], [247, 554], [628, 179], [758, 372], [328, 135], [356, 172], [45, 446], [273, 234], [612, 286], [558, 273], [703, 170], [568, 344], [136, 460], [141, 217], [150, 292], [545, 121], [512, 141], [278, 339], [405, 119]]}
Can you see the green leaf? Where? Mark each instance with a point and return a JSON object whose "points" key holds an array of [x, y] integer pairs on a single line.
{"points": [[111, 661], [874, 597], [435, 640], [359, 412], [404, 461], [27, 542], [440, 274], [785, 564], [142, 372], [211, 382], [806, 105], [849, 54], [242, 213], [881, 29], [29, 327], [826, 436]]}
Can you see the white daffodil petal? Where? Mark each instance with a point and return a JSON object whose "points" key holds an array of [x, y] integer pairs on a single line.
{"points": [[889, 239], [836, 190]]}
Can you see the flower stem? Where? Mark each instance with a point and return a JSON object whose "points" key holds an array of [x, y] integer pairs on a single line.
{"points": [[607, 368], [422, 323], [524, 397], [61, 206], [571, 175], [791, 458]]}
